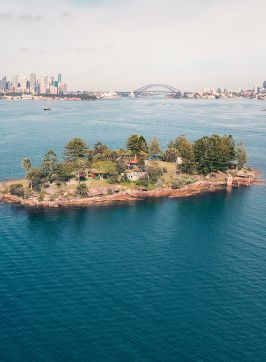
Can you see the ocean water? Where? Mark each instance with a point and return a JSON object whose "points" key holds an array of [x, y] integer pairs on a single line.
{"points": [[164, 280]]}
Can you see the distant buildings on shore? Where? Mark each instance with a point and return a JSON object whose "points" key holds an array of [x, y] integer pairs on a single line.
{"points": [[44, 85], [51, 87], [208, 93]]}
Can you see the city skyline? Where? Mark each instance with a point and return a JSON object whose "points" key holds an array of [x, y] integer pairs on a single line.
{"points": [[110, 44], [33, 84], [51, 84]]}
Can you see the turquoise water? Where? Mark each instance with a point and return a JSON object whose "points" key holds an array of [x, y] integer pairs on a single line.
{"points": [[159, 280]]}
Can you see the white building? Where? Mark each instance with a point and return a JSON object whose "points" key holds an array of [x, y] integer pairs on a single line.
{"points": [[136, 175]]}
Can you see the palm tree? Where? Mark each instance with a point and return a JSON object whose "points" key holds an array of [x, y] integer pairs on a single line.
{"points": [[26, 164]]}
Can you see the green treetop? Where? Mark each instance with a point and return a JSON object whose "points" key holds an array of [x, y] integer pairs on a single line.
{"points": [[154, 147], [80, 166], [50, 165], [105, 167], [75, 148], [99, 148], [214, 153], [186, 152], [241, 155], [26, 164], [137, 144]]}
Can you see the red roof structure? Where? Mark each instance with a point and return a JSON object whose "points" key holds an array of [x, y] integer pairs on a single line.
{"points": [[134, 161]]}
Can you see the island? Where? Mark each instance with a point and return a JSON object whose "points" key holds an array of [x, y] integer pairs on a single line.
{"points": [[100, 175]]}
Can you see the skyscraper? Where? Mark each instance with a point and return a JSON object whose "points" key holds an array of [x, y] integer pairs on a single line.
{"points": [[32, 82], [3, 83], [59, 78], [15, 81], [264, 84]]}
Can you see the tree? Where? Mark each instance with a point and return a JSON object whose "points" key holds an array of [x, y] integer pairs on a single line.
{"points": [[186, 152], [105, 167], [154, 147], [82, 190], [214, 153], [137, 144], [81, 165], [36, 178], [204, 155], [50, 165], [154, 173], [64, 171], [17, 190], [99, 148], [75, 148], [171, 154], [106, 155], [26, 164], [241, 155], [231, 146], [121, 165]]}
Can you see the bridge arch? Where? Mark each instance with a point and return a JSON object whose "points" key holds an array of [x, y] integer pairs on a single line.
{"points": [[141, 90]]}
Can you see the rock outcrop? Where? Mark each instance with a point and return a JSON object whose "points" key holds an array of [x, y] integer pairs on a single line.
{"points": [[129, 195]]}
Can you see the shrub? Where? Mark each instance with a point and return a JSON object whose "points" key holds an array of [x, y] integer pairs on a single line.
{"points": [[143, 182], [154, 173], [82, 190], [113, 180], [186, 180], [41, 195], [36, 178], [17, 190], [159, 183], [176, 185], [181, 181]]}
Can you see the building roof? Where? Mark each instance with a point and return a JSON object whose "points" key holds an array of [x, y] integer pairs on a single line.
{"points": [[134, 161]]}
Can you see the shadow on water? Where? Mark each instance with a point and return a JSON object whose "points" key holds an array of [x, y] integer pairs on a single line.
{"points": [[217, 201]]}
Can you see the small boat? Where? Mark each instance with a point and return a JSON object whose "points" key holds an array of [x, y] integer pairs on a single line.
{"points": [[47, 109]]}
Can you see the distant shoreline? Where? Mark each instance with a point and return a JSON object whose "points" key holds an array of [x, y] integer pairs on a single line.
{"points": [[79, 99]]}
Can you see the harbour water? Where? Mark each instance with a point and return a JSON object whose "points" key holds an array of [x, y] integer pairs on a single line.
{"points": [[165, 280]]}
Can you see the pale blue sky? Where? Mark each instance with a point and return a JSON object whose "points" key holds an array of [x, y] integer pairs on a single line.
{"points": [[115, 44]]}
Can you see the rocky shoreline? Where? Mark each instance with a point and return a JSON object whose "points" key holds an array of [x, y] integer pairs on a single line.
{"points": [[129, 195]]}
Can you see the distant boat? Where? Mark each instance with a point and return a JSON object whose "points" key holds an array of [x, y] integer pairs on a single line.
{"points": [[47, 109]]}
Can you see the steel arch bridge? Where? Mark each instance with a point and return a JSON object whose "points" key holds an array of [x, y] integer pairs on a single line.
{"points": [[141, 90]]}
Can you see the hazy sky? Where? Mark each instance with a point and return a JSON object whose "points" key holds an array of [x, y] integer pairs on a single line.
{"points": [[124, 44]]}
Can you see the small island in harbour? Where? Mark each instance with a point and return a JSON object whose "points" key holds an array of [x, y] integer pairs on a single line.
{"points": [[100, 175]]}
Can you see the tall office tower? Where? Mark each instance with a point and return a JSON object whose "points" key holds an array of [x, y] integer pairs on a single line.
{"points": [[264, 84], [59, 78], [51, 81], [44, 84], [15, 82], [32, 82], [23, 84], [62, 88], [3, 83]]}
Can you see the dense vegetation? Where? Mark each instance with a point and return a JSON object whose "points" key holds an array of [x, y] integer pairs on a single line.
{"points": [[208, 154]]}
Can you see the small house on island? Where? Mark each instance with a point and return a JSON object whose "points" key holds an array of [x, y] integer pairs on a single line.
{"points": [[136, 175], [100, 174], [133, 163]]}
